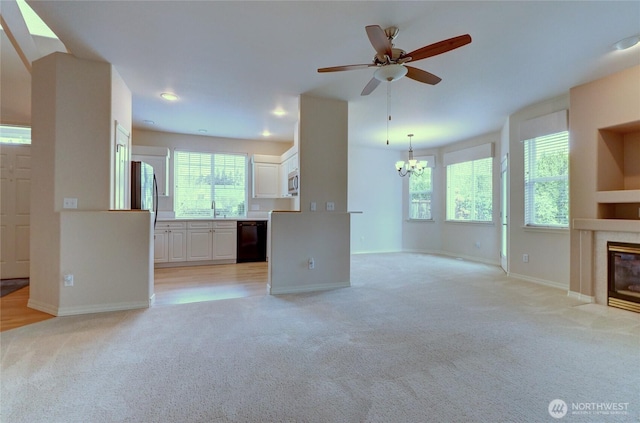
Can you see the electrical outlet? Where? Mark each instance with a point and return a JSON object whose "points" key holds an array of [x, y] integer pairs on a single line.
{"points": [[68, 279], [70, 203], [331, 206], [525, 258], [312, 264]]}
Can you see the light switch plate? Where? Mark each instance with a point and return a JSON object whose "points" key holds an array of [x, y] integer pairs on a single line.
{"points": [[331, 206]]}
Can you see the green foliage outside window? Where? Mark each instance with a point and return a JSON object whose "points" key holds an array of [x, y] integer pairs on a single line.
{"points": [[470, 191], [547, 180], [420, 189]]}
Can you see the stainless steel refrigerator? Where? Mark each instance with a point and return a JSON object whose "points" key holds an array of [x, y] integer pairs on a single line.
{"points": [[144, 189]]}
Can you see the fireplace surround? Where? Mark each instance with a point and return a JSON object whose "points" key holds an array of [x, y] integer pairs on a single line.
{"points": [[623, 275]]}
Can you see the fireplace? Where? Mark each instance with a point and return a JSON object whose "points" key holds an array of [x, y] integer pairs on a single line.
{"points": [[624, 275]]}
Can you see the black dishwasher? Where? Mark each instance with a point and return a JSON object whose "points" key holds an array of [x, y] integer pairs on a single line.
{"points": [[252, 241]]}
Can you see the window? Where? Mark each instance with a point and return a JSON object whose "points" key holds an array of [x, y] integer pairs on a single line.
{"points": [[470, 190], [206, 183], [15, 134], [546, 180], [420, 188]]}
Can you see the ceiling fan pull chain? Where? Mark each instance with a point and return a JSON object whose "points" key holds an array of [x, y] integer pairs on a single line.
{"points": [[388, 109]]}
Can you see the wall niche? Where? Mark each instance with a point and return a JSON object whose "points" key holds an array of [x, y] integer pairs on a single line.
{"points": [[618, 194]]}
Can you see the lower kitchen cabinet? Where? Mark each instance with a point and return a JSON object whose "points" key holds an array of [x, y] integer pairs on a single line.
{"points": [[196, 242], [225, 241], [199, 245], [169, 242]]}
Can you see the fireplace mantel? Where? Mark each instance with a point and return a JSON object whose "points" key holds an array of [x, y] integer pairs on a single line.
{"points": [[610, 225]]}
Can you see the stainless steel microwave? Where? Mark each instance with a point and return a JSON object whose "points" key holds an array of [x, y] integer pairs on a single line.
{"points": [[294, 182]]}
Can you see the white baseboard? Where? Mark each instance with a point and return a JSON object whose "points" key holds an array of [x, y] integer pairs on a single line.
{"points": [[581, 297], [308, 288], [45, 308], [454, 255], [545, 282], [101, 308]]}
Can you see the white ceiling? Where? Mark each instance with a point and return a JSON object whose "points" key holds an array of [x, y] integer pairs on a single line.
{"points": [[232, 63]]}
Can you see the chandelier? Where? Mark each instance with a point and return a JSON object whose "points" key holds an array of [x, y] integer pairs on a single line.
{"points": [[411, 166]]}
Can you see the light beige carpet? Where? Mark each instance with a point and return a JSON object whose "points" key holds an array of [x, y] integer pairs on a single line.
{"points": [[417, 338]]}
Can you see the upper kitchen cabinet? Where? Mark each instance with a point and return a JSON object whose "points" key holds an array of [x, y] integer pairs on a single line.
{"points": [[266, 171], [158, 158], [289, 163]]}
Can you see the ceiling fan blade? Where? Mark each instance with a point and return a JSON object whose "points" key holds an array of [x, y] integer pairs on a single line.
{"points": [[379, 41], [345, 68], [438, 48], [372, 85], [422, 76]]}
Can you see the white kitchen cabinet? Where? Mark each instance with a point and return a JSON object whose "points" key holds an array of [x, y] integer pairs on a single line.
{"points": [[265, 180], [208, 241], [158, 158], [169, 242], [199, 244], [288, 165], [225, 240], [265, 176], [161, 246]]}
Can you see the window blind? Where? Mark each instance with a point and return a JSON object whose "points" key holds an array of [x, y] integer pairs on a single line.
{"points": [[546, 180], [207, 183]]}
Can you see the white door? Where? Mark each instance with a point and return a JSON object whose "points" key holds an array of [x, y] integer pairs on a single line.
{"points": [[504, 211], [15, 190]]}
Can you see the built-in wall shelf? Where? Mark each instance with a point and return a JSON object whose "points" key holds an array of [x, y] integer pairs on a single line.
{"points": [[618, 196], [609, 225], [618, 171]]}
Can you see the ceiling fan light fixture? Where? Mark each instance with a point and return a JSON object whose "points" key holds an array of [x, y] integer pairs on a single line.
{"points": [[627, 42], [390, 73], [169, 96]]}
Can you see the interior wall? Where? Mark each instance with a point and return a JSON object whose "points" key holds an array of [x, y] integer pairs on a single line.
{"points": [[216, 145], [476, 241], [45, 229], [375, 189], [548, 249], [323, 155], [609, 101], [73, 110]]}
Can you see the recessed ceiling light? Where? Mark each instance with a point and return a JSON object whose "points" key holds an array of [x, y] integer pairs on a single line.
{"points": [[149, 122], [169, 96], [279, 112], [202, 131], [266, 133], [627, 42]]}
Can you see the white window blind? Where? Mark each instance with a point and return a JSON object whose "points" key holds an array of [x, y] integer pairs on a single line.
{"points": [[10, 134], [546, 180], [206, 183], [420, 190], [470, 190]]}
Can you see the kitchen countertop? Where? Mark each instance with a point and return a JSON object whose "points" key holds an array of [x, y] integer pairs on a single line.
{"points": [[204, 219]]}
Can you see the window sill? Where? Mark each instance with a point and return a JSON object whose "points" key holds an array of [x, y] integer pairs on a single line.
{"points": [[547, 229], [469, 222], [420, 220]]}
